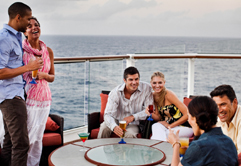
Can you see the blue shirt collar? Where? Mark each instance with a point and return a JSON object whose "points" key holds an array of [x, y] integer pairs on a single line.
{"points": [[16, 33], [9, 28]]}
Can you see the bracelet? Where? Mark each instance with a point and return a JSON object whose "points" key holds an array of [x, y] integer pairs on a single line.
{"points": [[177, 142]]}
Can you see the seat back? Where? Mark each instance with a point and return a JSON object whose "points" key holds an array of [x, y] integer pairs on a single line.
{"points": [[103, 99], [186, 100]]}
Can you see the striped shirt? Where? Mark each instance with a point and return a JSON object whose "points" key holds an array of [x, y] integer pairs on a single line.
{"points": [[118, 107]]}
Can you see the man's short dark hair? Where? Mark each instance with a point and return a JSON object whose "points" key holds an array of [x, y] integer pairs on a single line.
{"points": [[131, 71], [18, 8], [224, 90]]}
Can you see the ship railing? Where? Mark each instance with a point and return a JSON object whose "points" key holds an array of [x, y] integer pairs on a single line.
{"points": [[92, 67]]}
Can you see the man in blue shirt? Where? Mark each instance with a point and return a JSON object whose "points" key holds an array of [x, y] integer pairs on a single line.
{"points": [[12, 104]]}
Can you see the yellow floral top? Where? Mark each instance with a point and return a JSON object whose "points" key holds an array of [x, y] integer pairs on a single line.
{"points": [[170, 114]]}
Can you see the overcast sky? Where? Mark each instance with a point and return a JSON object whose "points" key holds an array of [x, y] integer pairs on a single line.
{"points": [[207, 18]]}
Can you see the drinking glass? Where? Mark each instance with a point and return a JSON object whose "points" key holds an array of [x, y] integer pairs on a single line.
{"points": [[184, 143], [151, 111], [34, 76], [83, 137], [35, 72], [122, 125]]}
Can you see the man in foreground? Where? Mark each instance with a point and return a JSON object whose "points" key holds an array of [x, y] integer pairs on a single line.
{"points": [[126, 102], [229, 113], [12, 104]]}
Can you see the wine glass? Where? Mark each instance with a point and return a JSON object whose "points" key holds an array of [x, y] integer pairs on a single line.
{"points": [[83, 137], [150, 111], [122, 125]]}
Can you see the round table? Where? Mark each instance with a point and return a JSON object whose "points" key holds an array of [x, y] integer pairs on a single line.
{"points": [[107, 151], [125, 154]]}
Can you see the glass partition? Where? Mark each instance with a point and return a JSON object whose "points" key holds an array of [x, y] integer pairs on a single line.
{"points": [[175, 71], [104, 75], [68, 93], [210, 73], [73, 100]]}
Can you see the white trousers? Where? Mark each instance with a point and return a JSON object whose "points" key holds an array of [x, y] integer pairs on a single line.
{"points": [[37, 118], [160, 132]]}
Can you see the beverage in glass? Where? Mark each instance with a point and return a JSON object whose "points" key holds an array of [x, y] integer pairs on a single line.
{"points": [[83, 137], [184, 143], [35, 72], [150, 107], [34, 76], [122, 125]]}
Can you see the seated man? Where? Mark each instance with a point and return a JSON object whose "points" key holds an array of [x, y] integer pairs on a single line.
{"points": [[229, 113], [126, 102]]}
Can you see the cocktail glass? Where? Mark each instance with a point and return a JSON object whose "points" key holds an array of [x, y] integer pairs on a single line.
{"points": [[83, 137], [151, 111], [122, 125], [184, 144]]}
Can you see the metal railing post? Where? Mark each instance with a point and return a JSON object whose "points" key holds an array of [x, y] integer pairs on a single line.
{"points": [[130, 61], [86, 91], [191, 70]]}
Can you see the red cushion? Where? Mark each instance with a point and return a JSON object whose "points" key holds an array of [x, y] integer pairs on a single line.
{"points": [[94, 134], [103, 98], [239, 159], [51, 139], [51, 125], [186, 100]]}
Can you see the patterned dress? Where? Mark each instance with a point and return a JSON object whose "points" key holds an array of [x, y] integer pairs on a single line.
{"points": [[170, 114], [38, 102]]}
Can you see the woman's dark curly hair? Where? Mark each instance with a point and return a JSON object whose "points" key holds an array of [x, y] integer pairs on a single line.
{"points": [[205, 110]]}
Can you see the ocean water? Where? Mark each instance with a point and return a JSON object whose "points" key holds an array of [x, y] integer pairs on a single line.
{"points": [[68, 88]]}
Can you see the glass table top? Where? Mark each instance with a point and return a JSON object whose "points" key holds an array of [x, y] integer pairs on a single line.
{"points": [[125, 154]]}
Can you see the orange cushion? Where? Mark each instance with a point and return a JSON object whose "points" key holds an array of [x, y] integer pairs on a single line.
{"points": [[239, 159], [51, 125], [103, 98], [51, 139], [186, 100]]}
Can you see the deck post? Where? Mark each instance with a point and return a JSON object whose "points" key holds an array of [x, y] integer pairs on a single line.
{"points": [[86, 91], [130, 61], [190, 86]]}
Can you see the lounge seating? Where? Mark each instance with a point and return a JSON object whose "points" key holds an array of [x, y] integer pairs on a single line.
{"points": [[96, 118], [52, 138]]}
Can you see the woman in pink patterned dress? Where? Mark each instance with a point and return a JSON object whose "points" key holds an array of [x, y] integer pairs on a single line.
{"points": [[38, 99]]}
